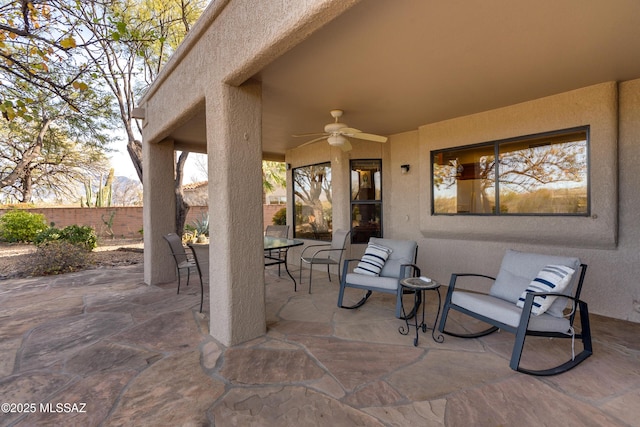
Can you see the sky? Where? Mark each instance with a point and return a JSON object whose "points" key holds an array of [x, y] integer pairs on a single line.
{"points": [[122, 165], [121, 162]]}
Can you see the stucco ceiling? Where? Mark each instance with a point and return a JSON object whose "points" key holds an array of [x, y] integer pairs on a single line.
{"points": [[395, 65]]}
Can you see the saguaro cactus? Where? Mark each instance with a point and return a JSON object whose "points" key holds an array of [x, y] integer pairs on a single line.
{"points": [[103, 194]]}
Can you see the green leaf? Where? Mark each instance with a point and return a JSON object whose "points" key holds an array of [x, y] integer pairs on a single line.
{"points": [[68, 43], [122, 27]]}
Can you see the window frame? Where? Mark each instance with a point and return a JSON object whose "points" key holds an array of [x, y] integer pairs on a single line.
{"points": [[496, 144], [374, 202], [329, 232]]}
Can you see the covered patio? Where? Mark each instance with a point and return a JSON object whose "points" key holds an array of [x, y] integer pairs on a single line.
{"points": [[142, 355], [431, 76]]}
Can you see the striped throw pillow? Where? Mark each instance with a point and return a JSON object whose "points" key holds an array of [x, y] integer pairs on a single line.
{"points": [[552, 278], [373, 260]]}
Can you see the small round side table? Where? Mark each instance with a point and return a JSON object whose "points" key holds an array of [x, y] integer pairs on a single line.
{"points": [[419, 286]]}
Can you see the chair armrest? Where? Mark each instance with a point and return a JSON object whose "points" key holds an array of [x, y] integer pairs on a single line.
{"points": [[312, 246], [326, 250], [345, 268], [531, 295], [528, 305], [191, 256], [403, 270], [454, 278], [346, 262]]}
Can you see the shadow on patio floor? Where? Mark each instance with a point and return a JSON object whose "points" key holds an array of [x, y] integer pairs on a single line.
{"points": [[101, 348]]}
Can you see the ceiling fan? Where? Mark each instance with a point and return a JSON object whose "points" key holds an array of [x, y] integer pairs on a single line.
{"points": [[336, 133]]}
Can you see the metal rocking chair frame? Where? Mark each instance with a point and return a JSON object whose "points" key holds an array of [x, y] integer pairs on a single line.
{"points": [[522, 330]]}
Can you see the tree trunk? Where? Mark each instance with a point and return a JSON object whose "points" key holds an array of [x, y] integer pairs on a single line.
{"points": [[182, 208], [27, 186], [22, 166], [134, 148]]}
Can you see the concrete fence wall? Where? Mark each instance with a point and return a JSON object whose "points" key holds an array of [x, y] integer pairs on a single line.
{"points": [[127, 221]]}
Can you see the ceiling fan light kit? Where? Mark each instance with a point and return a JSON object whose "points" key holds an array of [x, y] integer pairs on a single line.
{"points": [[336, 133], [337, 140]]}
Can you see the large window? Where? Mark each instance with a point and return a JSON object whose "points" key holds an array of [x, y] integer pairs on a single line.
{"points": [[366, 200], [312, 200], [545, 174]]}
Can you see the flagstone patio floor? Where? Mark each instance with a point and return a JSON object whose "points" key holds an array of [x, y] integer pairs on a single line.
{"points": [[101, 348]]}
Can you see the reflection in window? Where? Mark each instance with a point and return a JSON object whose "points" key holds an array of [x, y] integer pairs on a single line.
{"points": [[464, 181], [312, 198], [542, 174], [366, 200]]}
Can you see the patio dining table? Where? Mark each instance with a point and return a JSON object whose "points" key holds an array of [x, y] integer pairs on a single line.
{"points": [[271, 244], [282, 246]]}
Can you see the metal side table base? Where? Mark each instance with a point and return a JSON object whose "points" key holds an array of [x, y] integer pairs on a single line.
{"points": [[418, 287]]}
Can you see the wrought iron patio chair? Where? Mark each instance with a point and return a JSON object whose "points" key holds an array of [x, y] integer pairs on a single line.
{"points": [[400, 264], [201, 257], [326, 254], [536, 280], [182, 259]]}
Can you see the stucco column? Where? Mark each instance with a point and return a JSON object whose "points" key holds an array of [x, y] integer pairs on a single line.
{"points": [[159, 213], [340, 184], [234, 147]]}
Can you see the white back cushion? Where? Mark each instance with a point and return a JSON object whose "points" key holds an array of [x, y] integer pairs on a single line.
{"points": [[517, 271], [403, 252]]}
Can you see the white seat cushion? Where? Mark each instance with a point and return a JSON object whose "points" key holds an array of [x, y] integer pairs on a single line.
{"points": [[508, 313], [383, 283]]}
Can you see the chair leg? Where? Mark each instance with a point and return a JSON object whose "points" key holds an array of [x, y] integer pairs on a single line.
{"points": [[340, 294], [178, 270], [201, 293], [445, 313], [399, 294], [300, 271], [310, 274], [328, 273]]}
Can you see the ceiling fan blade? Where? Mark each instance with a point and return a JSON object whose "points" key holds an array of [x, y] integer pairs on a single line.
{"points": [[349, 131], [309, 134], [369, 137], [346, 146], [312, 141]]}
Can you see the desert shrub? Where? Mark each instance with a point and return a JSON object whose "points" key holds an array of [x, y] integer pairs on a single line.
{"points": [[21, 226], [47, 235], [79, 235], [280, 217], [56, 257], [202, 225]]}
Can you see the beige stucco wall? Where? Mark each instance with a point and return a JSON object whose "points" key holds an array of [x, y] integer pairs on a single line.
{"points": [[209, 57], [607, 241], [596, 106], [209, 76]]}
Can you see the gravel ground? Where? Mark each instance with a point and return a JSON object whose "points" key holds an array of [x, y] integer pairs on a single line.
{"points": [[109, 253]]}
